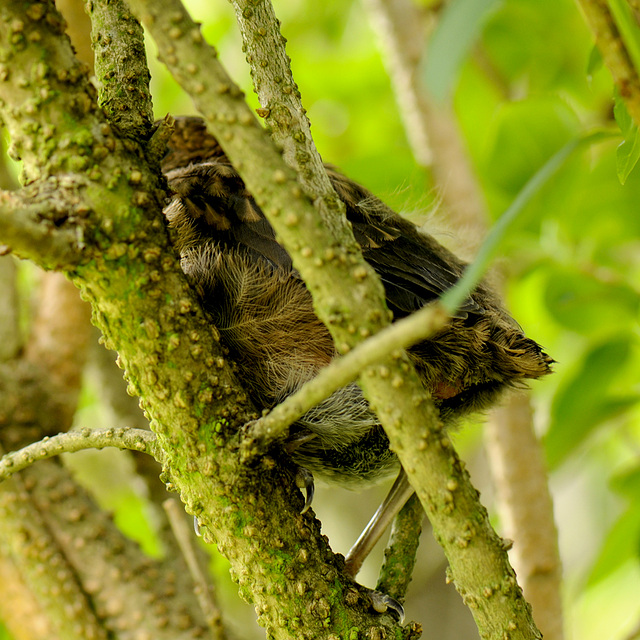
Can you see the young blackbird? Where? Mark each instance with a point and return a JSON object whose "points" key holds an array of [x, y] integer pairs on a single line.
{"points": [[265, 314]]}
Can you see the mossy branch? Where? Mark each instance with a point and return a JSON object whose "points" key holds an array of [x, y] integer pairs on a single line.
{"points": [[121, 67], [283, 111], [615, 52], [28, 225], [121, 438]]}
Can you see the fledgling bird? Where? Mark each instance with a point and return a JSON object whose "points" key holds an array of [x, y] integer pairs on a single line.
{"points": [[265, 315]]}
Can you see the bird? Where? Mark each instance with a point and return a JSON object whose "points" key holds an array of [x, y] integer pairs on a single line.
{"points": [[257, 300]]}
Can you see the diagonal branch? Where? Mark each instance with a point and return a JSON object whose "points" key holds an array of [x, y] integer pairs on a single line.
{"points": [[282, 105], [614, 53], [29, 226], [121, 438]]}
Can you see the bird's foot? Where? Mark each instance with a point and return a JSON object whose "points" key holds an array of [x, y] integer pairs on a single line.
{"points": [[382, 603], [304, 480]]}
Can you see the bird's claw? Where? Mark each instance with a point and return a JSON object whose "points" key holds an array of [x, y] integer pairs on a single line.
{"points": [[382, 603], [304, 480]]}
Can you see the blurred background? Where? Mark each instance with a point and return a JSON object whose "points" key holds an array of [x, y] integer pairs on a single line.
{"points": [[522, 83]]}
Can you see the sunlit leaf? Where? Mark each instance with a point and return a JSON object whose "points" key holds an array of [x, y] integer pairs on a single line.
{"points": [[586, 401], [628, 152], [457, 30], [621, 544], [582, 303], [595, 61]]}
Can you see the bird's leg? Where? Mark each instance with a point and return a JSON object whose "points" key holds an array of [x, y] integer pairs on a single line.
{"points": [[400, 492]]}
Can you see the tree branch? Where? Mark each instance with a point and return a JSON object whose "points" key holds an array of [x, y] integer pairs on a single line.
{"points": [[59, 339], [123, 438], [520, 476], [202, 588], [39, 105], [28, 538], [121, 68], [284, 114], [614, 53], [400, 553], [29, 221], [400, 335]]}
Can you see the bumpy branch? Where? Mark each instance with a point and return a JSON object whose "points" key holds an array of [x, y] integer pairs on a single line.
{"points": [[400, 335], [28, 225], [283, 110], [121, 66], [122, 438], [400, 553]]}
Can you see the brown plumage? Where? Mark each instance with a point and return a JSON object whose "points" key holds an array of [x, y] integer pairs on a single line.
{"points": [[264, 312]]}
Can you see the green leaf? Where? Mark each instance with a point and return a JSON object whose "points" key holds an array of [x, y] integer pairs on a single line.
{"points": [[454, 36], [586, 401], [584, 304], [628, 152], [621, 544], [627, 484], [595, 61]]}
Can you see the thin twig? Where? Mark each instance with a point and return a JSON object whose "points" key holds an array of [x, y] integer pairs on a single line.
{"points": [[203, 588], [400, 335], [400, 553], [121, 438]]}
